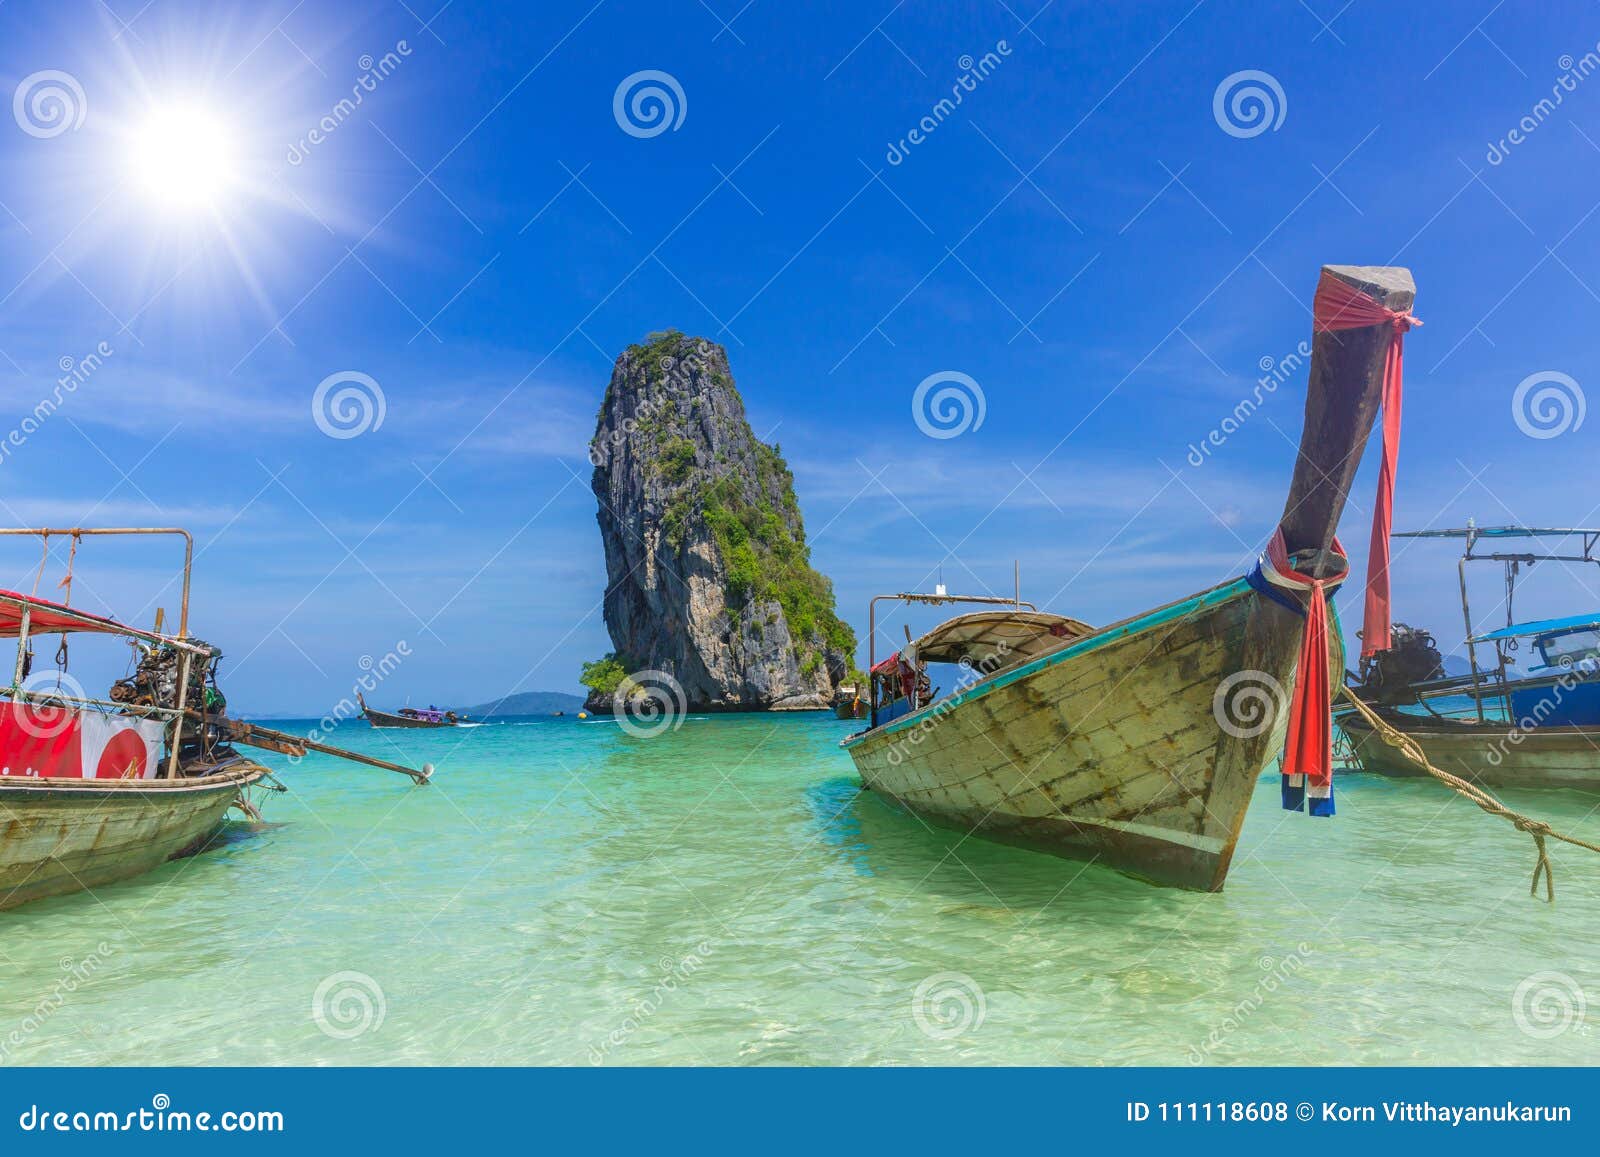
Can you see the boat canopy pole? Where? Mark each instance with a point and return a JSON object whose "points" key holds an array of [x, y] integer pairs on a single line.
{"points": [[933, 600], [82, 531]]}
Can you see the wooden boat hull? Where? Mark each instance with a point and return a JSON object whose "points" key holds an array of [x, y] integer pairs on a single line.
{"points": [[66, 835], [1483, 753], [850, 709], [1112, 748]]}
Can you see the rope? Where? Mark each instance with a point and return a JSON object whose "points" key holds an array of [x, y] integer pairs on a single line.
{"points": [[1538, 829]]}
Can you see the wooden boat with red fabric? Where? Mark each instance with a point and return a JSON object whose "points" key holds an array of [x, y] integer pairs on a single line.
{"points": [[93, 791], [1138, 745]]}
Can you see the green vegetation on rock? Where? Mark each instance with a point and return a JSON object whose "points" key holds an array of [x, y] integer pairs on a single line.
{"points": [[604, 675]]}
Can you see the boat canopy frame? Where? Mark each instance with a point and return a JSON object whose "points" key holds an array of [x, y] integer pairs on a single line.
{"points": [[1476, 537]]}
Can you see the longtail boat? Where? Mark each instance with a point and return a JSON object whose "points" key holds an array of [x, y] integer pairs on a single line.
{"points": [[94, 791], [1540, 728], [410, 716], [1138, 745]]}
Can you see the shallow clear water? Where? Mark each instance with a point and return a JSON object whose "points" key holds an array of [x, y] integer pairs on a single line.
{"points": [[569, 894]]}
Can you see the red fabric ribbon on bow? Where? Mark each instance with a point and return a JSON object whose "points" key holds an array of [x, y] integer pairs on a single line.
{"points": [[1340, 306], [1308, 750]]}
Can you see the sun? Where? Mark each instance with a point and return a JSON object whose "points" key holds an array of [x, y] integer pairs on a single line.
{"points": [[183, 159]]}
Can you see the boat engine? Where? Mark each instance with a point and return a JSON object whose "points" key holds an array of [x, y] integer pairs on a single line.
{"points": [[154, 683], [1388, 676]]}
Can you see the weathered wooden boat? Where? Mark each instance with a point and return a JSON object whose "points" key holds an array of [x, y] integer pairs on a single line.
{"points": [[410, 716], [1138, 745], [1538, 729], [95, 791], [848, 703], [1490, 753]]}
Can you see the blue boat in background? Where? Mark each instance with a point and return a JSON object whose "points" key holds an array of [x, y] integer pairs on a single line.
{"points": [[1563, 688], [1533, 723]]}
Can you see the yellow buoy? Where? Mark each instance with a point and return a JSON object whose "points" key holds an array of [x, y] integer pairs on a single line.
{"points": [[583, 715]]}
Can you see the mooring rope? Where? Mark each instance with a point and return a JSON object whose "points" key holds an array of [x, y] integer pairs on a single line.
{"points": [[1538, 829]]}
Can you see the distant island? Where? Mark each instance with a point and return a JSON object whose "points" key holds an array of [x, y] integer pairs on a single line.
{"points": [[526, 703]]}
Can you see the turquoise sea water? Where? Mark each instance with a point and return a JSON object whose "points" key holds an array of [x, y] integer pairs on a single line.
{"points": [[569, 894]]}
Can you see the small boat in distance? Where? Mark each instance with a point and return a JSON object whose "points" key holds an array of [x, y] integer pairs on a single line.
{"points": [[410, 716], [848, 703], [1138, 745]]}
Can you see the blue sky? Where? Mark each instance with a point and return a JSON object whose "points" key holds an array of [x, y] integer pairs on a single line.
{"points": [[1083, 237]]}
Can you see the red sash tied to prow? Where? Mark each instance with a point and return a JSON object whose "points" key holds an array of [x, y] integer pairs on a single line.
{"points": [[1308, 751], [1340, 306]]}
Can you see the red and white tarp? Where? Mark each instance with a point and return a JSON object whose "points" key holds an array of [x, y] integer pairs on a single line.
{"points": [[56, 743]]}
